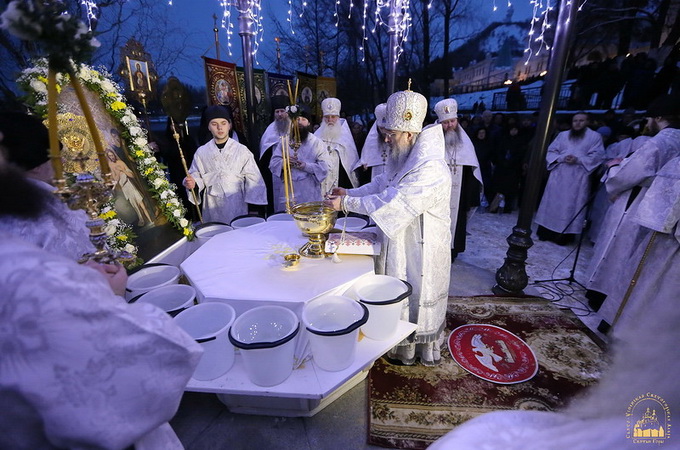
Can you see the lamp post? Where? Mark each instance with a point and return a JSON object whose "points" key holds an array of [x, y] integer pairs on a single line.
{"points": [[278, 55], [511, 277], [246, 31], [394, 20]]}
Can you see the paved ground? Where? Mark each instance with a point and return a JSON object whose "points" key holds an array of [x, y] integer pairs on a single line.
{"points": [[203, 422]]}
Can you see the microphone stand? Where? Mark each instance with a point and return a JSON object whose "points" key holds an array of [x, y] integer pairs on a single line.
{"points": [[571, 278]]}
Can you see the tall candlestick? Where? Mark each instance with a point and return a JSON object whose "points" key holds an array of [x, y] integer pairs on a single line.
{"points": [[55, 151]]}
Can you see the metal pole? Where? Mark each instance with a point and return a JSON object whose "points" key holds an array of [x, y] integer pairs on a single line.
{"points": [[246, 31], [511, 277], [395, 14], [278, 55], [217, 37]]}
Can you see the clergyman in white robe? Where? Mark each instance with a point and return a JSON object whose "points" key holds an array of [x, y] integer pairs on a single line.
{"points": [[306, 181], [410, 206], [339, 144], [634, 173], [563, 206], [375, 152], [227, 180], [81, 368]]}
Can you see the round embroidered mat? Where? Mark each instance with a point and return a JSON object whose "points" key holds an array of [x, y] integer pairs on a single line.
{"points": [[492, 353]]}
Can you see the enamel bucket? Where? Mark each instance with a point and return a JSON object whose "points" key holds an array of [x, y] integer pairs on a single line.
{"points": [[150, 276], [265, 336], [383, 295], [209, 229], [173, 298], [333, 323], [208, 324], [246, 221]]}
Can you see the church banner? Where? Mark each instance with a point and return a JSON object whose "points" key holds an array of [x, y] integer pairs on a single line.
{"points": [[325, 87], [278, 84], [262, 118], [307, 90], [222, 87]]}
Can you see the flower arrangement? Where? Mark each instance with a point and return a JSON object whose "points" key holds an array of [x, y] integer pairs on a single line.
{"points": [[34, 82]]}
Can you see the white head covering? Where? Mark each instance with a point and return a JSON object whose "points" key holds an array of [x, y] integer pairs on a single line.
{"points": [[406, 111], [331, 106], [446, 109], [380, 114]]}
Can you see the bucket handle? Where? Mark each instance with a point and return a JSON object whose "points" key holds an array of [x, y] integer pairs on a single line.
{"points": [[201, 341], [347, 330]]}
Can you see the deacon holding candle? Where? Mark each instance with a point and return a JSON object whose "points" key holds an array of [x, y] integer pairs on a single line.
{"points": [[308, 162], [409, 202]]}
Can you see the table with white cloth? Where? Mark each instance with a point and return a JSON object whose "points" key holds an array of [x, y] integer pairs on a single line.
{"points": [[244, 268]]}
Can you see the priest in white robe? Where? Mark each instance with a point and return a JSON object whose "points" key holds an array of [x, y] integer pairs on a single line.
{"points": [[309, 164], [632, 178], [410, 203], [463, 165], [571, 158], [375, 152], [225, 172], [80, 367], [340, 146], [272, 136]]}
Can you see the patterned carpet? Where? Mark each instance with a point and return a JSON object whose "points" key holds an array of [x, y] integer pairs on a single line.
{"points": [[412, 406]]}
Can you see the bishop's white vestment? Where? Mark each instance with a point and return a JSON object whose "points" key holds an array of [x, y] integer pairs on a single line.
{"points": [[343, 151], [410, 205]]}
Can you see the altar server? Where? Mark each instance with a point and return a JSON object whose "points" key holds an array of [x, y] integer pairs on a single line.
{"points": [[225, 172]]}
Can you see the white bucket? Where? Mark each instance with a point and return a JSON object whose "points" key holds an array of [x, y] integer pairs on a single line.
{"points": [[150, 276], [172, 299], [208, 324], [209, 229], [246, 221], [265, 335], [280, 217], [333, 323], [350, 223], [383, 296]]}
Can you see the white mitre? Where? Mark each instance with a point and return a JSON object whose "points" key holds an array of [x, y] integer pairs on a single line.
{"points": [[331, 106], [446, 109], [406, 111]]}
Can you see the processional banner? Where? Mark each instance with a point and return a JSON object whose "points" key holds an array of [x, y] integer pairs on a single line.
{"points": [[278, 84], [307, 90], [261, 105], [325, 87], [222, 86]]}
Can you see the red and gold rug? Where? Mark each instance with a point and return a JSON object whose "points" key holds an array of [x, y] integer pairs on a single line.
{"points": [[412, 406]]}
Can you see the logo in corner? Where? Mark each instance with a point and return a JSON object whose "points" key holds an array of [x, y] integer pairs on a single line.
{"points": [[648, 420]]}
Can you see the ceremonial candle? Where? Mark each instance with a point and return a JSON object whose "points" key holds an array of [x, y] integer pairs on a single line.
{"points": [[55, 151], [285, 172], [103, 162]]}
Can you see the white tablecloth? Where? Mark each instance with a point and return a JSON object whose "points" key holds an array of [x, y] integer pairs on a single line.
{"points": [[244, 267]]}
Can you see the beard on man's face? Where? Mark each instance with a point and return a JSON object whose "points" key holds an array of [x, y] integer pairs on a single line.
{"points": [[331, 132], [399, 151], [282, 125], [577, 134], [452, 137], [304, 132]]}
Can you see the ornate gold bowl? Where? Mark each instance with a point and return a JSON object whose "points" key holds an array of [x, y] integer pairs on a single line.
{"points": [[315, 220]]}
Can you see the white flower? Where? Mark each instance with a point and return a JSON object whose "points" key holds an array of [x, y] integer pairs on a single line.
{"points": [[173, 201], [109, 229], [114, 222], [160, 173], [126, 120], [135, 131], [85, 73], [177, 213], [140, 141], [38, 86], [183, 222], [107, 86], [158, 182], [165, 194], [130, 248]]}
